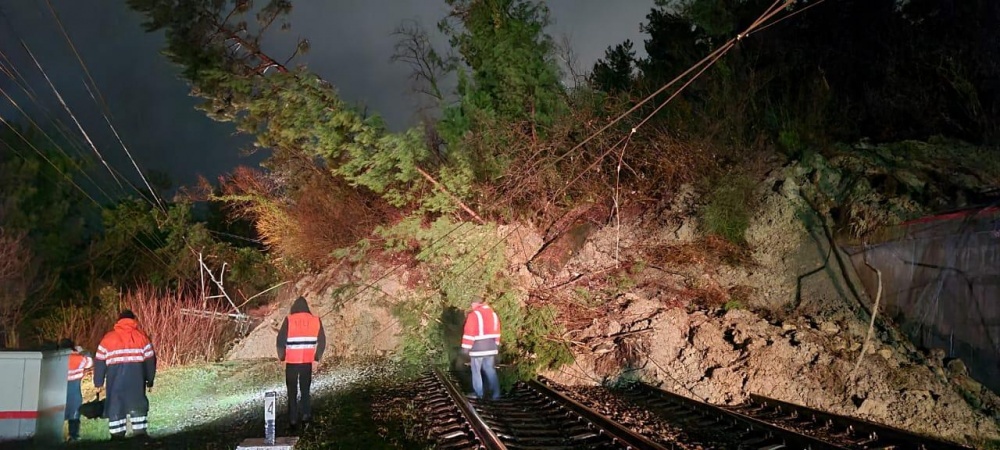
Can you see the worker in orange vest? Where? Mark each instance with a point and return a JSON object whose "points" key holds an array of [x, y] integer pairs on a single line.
{"points": [[79, 363], [481, 341], [126, 360], [301, 341]]}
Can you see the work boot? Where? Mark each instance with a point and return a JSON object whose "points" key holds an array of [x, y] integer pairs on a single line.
{"points": [[74, 430]]}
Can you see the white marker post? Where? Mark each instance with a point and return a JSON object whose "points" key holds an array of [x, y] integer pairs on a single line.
{"points": [[270, 441], [270, 400]]}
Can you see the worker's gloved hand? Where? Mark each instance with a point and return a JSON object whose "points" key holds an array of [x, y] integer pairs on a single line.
{"points": [[100, 390], [78, 349], [315, 366]]}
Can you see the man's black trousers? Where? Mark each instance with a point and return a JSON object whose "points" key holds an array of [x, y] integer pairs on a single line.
{"points": [[298, 377]]}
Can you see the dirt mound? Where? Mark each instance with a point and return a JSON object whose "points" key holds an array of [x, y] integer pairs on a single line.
{"points": [[722, 358], [687, 322], [357, 315], [651, 297]]}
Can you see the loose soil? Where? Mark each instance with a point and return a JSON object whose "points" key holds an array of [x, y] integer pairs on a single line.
{"points": [[784, 324], [780, 318]]}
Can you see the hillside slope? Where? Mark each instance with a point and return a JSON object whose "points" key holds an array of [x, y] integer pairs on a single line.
{"points": [[652, 298]]}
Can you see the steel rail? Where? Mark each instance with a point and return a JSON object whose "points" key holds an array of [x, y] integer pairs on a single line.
{"points": [[788, 437], [483, 435], [877, 435], [614, 430]]}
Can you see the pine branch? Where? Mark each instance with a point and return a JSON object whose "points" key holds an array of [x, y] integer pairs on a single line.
{"points": [[266, 62], [452, 196]]}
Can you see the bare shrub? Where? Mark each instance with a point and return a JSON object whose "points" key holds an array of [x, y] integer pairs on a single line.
{"points": [[18, 276], [548, 172], [664, 162], [179, 338], [574, 163], [308, 223], [84, 325], [711, 250], [332, 215], [705, 292]]}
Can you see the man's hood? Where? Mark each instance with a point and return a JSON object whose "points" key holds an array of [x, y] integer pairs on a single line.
{"points": [[126, 325], [299, 306]]}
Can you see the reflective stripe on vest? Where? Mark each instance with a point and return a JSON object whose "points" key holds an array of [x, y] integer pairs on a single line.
{"points": [[303, 335], [481, 324], [78, 364], [124, 355]]}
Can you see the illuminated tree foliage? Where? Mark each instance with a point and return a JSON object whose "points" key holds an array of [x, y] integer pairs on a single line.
{"points": [[71, 240], [290, 111], [507, 78], [503, 43], [512, 81]]}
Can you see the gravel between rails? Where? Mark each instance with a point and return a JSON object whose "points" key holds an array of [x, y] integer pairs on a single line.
{"points": [[639, 420]]}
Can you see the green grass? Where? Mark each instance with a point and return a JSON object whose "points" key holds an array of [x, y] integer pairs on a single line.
{"points": [[199, 407], [729, 208], [733, 304], [184, 396]]}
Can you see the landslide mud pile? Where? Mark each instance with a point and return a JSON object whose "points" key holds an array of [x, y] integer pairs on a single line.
{"points": [[782, 317]]}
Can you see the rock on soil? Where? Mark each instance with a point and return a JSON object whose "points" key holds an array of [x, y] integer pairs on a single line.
{"points": [[799, 344], [800, 347], [722, 359], [356, 313]]}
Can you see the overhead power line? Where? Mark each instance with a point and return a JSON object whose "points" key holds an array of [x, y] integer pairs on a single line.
{"points": [[70, 112], [105, 111]]}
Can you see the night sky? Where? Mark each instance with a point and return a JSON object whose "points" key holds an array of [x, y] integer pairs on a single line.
{"points": [[351, 44]]}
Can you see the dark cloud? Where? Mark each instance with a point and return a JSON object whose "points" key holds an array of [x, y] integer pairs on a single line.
{"points": [[351, 44]]}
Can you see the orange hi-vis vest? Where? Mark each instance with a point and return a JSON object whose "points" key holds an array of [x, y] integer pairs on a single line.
{"points": [[303, 335], [482, 331], [126, 344], [78, 364]]}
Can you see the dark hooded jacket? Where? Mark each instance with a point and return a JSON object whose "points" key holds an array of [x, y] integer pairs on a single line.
{"points": [[299, 306], [126, 362]]}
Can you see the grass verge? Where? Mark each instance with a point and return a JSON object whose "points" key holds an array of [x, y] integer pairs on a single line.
{"points": [[217, 406]]}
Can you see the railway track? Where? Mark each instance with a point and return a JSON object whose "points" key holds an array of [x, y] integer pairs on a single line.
{"points": [[536, 415], [768, 423], [855, 433], [532, 416]]}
